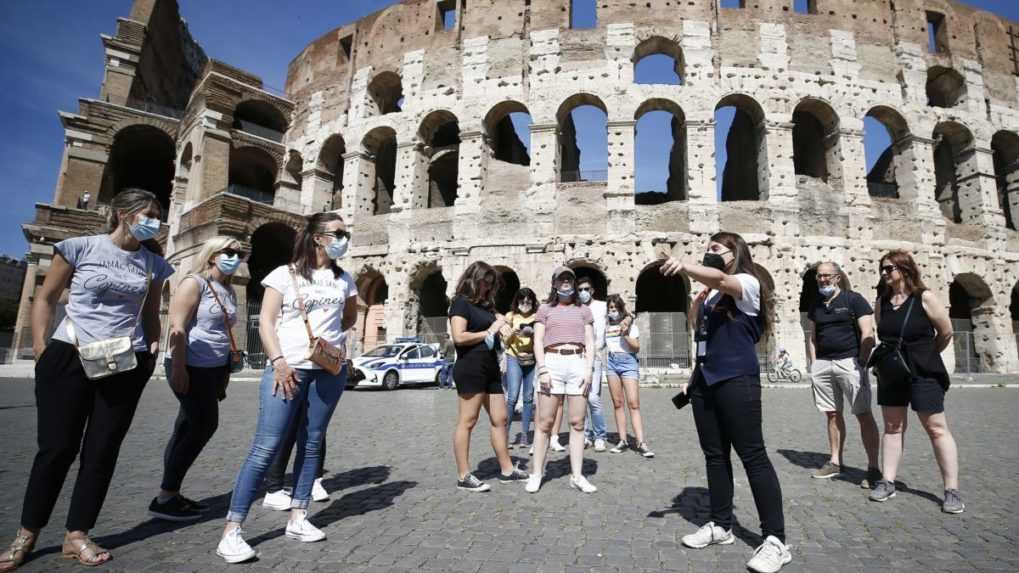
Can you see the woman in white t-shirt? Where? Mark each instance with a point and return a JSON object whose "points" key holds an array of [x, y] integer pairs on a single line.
{"points": [[292, 382], [622, 343]]}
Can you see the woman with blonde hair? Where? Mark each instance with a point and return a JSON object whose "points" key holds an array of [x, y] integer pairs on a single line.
{"points": [[202, 311]]}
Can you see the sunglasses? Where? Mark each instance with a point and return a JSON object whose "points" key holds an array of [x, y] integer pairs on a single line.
{"points": [[585, 289], [232, 252], [826, 276], [887, 269], [337, 235]]}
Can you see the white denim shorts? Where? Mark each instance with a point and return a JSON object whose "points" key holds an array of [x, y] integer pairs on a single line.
{"points": [[567, 373]]}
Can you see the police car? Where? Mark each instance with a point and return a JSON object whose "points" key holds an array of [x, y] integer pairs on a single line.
{"points": [[403, 362]]}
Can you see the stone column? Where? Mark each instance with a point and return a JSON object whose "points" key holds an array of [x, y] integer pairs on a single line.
{"points": [[316, 190], [994, 339], [619, 193], [81, 169], [702, 191], [358, 186], [779, 181], [922, 175], [411, 177], [214, 168], [854, 183], [472, 168], [983, 208], [544, 166]]}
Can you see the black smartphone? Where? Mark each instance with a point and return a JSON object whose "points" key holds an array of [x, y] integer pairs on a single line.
{"points": [[680, 400]]}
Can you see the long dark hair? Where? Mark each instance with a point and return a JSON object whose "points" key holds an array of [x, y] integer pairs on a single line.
{"points": [[522, 295], [553, 295], [902, 260], [469, 285], [743, 263], [132, 200], [617, 300], [304, 248]]}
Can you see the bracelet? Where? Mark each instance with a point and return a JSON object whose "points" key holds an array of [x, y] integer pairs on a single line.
{"points": [[273, 361]]}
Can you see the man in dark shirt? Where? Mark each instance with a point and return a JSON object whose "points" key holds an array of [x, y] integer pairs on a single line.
{"points": [[840, 344]]}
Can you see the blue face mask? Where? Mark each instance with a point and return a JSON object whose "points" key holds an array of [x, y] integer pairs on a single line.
{"points": [[228, 265], [564, 292], [146, 228], [826, 291], [337, 248], [490, 341], [613, 316], [585, 296]]}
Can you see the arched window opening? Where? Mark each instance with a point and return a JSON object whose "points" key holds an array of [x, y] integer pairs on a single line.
{"points": [[945, 87], [373, 292], [966, 295], [272, 245], [252, 174], [432, 308], [508, 133], [583, 139], [664, 301], [954, 162], [660, 153], [386, 94], [816, 142], [440, 133], [741, 155], [330, 162], [260, 118], [659, 61], [141, 157], [380, 144], [889, 154], [1005, 146], [598, 279]]}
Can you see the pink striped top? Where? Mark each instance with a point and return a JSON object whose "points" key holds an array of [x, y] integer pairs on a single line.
{"points": [[564, 323]]}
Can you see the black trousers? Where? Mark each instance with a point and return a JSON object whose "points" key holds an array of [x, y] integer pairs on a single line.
{"points": [[274, 477], [75, 413], [728, 415], [197, 420]]}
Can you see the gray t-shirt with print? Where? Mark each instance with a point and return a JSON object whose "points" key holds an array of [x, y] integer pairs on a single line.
{"points": [[108, 288], [208, 340]]}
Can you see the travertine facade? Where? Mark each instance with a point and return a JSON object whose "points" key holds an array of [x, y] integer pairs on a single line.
{"points": [[399, 121]]}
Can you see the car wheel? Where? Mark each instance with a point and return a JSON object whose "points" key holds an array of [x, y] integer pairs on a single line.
{"points": [[391, 380]]}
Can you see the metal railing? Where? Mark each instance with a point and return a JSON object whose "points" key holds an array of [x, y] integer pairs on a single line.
{"points": [[432, 329], [665, 340], [256, 354], [966, 359], [259, 130], [258, 195], [584, 175]]}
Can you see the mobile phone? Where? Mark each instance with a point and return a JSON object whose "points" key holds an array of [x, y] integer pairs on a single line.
{"points": [[680, 400]]}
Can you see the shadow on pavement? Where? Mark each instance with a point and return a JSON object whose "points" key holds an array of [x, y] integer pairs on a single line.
{"points": [[694, 505], [814, 460]]}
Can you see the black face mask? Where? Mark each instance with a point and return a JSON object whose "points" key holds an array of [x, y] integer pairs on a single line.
{"points": [[714, 261]]}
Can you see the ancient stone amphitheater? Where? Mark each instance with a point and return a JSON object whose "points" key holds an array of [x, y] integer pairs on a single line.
{"points": [[409, 123]]}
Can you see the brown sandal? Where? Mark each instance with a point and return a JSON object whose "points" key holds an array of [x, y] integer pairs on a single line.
{"points": [[85, 551], [18, 551]]}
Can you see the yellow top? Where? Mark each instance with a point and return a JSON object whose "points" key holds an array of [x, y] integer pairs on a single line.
{"points": [[520, 346]]}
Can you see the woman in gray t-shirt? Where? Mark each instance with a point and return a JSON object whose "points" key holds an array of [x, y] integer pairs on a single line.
{"points": [[114, 282], [202, 310]]}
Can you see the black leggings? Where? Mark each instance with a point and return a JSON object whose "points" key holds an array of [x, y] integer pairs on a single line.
{"points": [[274, 477], [197, 421], [75, 413], [728, 415]]}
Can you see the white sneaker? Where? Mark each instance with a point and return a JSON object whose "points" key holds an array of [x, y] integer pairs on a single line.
{"points": [[555, 446], [303, 531], [279, 500], [582, 484], [709, 534], [599, 445], [233, 549], [770, 556], [588, 443], [620, 447], [533, 483], [319, 493]]}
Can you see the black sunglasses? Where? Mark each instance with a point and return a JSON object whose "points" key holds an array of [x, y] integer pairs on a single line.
{"points": [[338, 234], [231, 252], [585, 289], [887, 269]]}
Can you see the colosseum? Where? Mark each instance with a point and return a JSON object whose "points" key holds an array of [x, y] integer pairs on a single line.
{"points": [[444, 132]]}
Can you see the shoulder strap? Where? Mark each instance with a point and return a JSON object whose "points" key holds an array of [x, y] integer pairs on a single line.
{"points": [[300, 301], [905, 321], [226, 321]]}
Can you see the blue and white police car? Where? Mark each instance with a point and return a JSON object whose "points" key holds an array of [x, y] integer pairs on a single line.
{"points": [[403, 362]]}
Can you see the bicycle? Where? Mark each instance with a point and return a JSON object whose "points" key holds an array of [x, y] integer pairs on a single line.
{"points": [[783, 369]]}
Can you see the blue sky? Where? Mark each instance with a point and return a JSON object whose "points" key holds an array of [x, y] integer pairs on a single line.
{"points": [[53, 56]]}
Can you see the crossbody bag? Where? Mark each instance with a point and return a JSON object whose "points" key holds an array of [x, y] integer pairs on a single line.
{"points": [[320, 352], [104, 358], [888, 358], [236, 356]]}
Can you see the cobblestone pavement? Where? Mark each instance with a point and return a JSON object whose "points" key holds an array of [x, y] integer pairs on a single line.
{"points": [[394, 506]]}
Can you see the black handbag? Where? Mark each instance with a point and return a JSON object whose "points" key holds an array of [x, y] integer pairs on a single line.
{"points": [[888, 359]]}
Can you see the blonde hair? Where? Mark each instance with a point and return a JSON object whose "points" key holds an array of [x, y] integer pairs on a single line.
{"points": [[211, 247]]}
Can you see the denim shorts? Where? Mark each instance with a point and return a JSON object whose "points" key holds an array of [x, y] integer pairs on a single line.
{"points": [[624, 365]]}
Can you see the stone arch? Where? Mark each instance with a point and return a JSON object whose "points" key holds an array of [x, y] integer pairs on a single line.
{"points": [[663, 304], [385, 94], [816, 148], [502, 134], [272, 245], [659, 46], [570, 165], [891, 175], [745, 175], [330, 165], [380, 169], [440, 134], [252, 174], [260, 118], [945, 87], [1005, 149], [671, 177], [971, 308], [509, 284], [141, 156], [956, 191], [428, 286], [372, 295]]}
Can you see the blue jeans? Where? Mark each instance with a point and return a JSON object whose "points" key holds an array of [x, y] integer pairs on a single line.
{"points": [[594, 426], [319, 391], [519, 381]]}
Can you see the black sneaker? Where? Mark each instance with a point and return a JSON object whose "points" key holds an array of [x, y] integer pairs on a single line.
{"points": [[516, 475], [175, 509], [195, 505], [471, 483]]}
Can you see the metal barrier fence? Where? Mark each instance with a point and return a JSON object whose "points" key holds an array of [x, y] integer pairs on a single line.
{"points": [[256, 354], [584, 175], [432, 329], [665, 340], [966, 359]]}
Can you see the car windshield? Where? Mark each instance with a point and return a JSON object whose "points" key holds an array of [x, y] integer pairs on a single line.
{"points": [[384, 351]]}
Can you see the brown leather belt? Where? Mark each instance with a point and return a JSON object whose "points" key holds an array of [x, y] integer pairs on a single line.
{"points": [[565, 351]]}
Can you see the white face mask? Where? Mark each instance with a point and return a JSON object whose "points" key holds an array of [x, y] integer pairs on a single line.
{"points": [[525, 308]]}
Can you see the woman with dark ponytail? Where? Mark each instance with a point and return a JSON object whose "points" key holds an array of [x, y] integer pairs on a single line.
{"points": [[115, 280], [311, 293], [730, 316]]}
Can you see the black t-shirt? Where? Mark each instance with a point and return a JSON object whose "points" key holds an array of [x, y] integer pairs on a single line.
{"points": [[835, 325], [478, 320]]}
